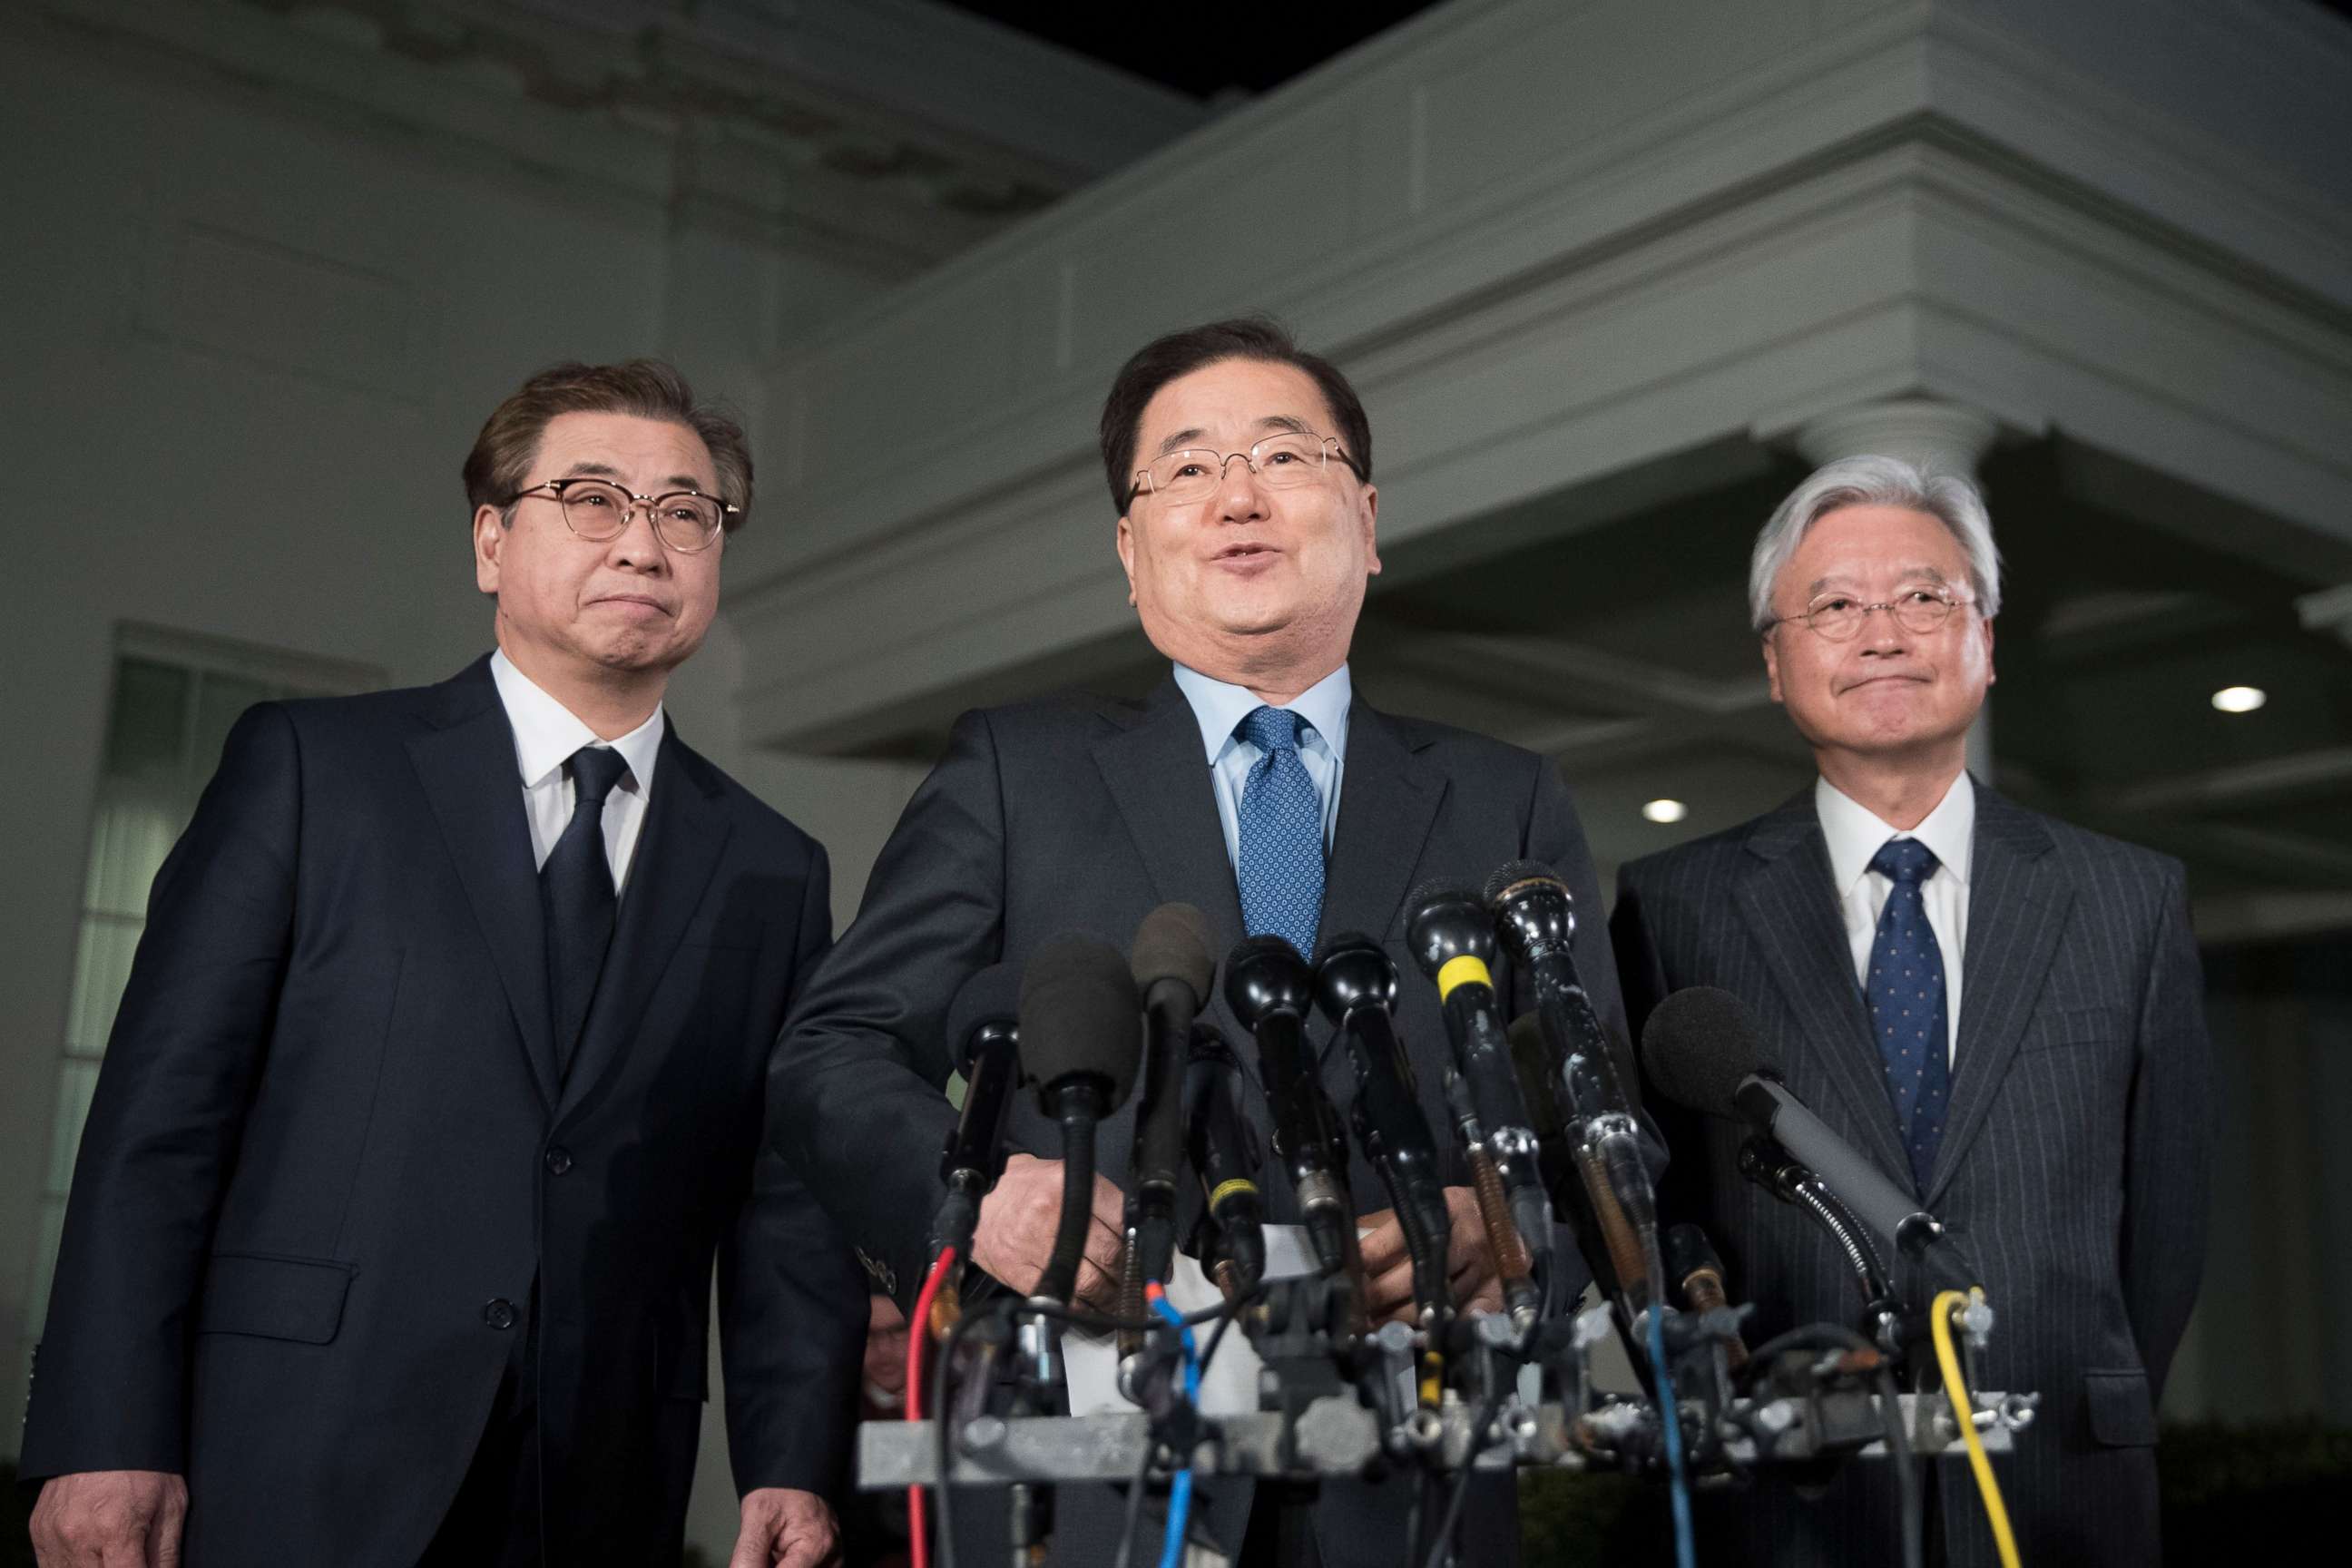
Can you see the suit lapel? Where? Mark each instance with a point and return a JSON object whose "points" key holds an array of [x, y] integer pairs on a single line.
{"points": [[2018, 902], [1389, 799], [1158, 775], [466, 766], [1789, 902], [677, 850]]}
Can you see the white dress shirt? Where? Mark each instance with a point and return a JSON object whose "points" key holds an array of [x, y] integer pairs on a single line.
{"points": [[1220, 706], [1855, 834], [546, 734]]}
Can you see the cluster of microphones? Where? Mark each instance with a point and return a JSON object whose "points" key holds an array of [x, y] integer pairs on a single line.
{"points": [[1544, 1121]]}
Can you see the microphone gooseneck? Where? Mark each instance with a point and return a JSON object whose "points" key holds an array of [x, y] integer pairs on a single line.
{"points": [[1453, 939], [1080, 1039], [1271, 989], [983, 1028], [1355, 987]]}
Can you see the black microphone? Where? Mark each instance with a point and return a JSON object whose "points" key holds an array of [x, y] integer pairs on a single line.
{"points": [[1081, 1036], [1700, 1048], [1453, 939], [1270, 990], [1225, 1154], [1356, 985], [1172, 962], [983, 1030], [1535, 916]]}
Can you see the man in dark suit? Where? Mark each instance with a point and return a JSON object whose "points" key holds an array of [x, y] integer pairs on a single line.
{"points": [[2004, 1012], [437, 1086], [1255, 783]]}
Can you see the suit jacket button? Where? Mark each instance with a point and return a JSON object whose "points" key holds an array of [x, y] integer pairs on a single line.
{"points": [[500, 1313], [558, 1160]]}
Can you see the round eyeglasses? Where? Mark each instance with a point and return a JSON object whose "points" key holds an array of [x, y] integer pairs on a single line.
{"points": [[685, 521], [1193, 473], [1839, 616]]}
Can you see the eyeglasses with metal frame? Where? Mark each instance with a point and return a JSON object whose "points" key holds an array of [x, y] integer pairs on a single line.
{"points": [[596, 511], [1193, 473], [1839, 616]]}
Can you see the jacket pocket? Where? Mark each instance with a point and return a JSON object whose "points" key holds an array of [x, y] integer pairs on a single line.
{"points": [[297, 1299], [2121, 1414]]}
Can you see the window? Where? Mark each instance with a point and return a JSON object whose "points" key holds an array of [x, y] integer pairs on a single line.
{"points": [[175, 696]]}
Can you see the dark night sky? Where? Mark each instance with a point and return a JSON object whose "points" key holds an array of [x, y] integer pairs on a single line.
{"points": [[1210, 48]]}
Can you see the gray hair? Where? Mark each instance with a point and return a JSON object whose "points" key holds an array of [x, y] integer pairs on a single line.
{"points": [[1874, 481]]}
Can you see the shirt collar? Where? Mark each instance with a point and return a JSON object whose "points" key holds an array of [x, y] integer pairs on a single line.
{"points": [[1220, 706], [1854, 833], [546, 732]]}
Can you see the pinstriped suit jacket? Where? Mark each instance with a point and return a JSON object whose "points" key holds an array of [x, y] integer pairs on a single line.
{"points": [[2074, 1159]]}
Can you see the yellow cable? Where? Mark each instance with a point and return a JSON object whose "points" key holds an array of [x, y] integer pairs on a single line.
{"points": [[1964, 1409]]}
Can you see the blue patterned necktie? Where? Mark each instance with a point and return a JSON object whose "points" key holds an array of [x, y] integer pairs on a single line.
{"points": [[575, 887], [1281, 860], [1906, 1004]]}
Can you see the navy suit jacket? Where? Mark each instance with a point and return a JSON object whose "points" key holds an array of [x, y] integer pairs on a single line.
{"points": [[329, 1155], [1084, 815], [2074, 1163]]}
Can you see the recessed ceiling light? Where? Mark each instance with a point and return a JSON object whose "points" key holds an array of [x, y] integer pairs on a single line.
{"points": [[1665, 810], [2240, 698]]}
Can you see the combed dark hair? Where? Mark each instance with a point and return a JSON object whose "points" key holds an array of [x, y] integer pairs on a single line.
{"points": [[1163, 360], [648, 388]]}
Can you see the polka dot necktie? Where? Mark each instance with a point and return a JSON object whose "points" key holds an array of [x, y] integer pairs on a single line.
{"points": [[1281, 860], [1906, 992], [576, 888]]}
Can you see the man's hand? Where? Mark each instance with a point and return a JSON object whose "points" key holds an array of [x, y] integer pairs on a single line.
{"points": [[784, 1529], [1470, 1266], [110, 1519], [1017, 1222]]}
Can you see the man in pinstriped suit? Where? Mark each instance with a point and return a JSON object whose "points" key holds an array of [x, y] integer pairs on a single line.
{"points": [[2004, 1012]]}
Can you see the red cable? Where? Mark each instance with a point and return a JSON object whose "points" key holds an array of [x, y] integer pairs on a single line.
{"points": [[919, 1335]]}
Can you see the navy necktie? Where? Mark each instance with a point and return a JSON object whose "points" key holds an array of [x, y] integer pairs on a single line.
{"points": [[1281, 818], [575, 888], [1906, 992]]}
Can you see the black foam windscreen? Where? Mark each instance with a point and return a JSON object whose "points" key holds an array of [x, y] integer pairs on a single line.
{"points": [[1699, 1045], [1080, 1013], [990, 997], [1174, 943], [1516, 871]]}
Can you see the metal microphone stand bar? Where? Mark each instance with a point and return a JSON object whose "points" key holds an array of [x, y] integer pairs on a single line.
{"points": [[1336, 1436]]}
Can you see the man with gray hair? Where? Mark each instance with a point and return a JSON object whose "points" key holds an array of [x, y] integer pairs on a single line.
{"points": [[2003, 1012]]}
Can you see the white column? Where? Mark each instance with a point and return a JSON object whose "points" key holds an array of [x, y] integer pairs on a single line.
{"points": [[1940, 438]]}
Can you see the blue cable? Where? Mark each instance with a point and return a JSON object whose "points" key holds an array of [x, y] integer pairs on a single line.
{"points": [[1179, 1493], [1685, 1555]]}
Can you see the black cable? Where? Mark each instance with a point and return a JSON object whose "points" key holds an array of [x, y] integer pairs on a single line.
{"points": [[1002, 1307], [1135, 1503], [1830, 1336], [1907, 1473], [1010, 1306], [1489, 1408]]}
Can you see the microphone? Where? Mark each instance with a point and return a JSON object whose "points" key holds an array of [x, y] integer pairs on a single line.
{"points": [[1356, 985], [1536, 918], [1173, 967], [1270, 988], [1700, 1048], [985, 1031], [1225, 1155], [1453, 939], [1080, 1040]]}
